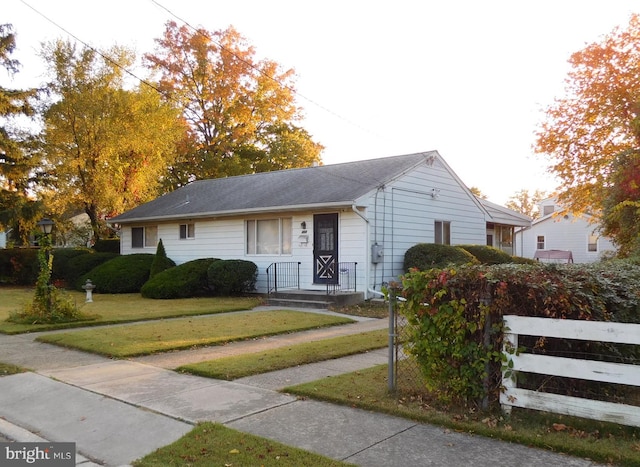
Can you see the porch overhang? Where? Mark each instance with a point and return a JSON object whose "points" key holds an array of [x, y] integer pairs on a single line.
{"points": [[122, 220]]}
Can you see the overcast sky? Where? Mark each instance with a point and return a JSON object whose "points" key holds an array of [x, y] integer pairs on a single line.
{"points": [[376, 78]]}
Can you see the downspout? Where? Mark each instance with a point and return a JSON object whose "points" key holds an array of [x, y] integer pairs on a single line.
{"points": [[367, 254]]}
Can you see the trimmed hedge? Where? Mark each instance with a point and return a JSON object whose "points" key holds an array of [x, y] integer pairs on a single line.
{"points": [[122, 274], [19, 266], [82, 264], [107, 245], [184, 281], [425, 256], [447, 311], [61, 258], [232, 277], [488, 254]]}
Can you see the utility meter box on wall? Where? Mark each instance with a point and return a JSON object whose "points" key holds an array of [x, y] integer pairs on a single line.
{"points": [[377, 253]]}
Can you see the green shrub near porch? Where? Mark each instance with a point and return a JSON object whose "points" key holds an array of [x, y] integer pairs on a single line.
{"points": [[232, 277], [183, 281], [426, 256]]}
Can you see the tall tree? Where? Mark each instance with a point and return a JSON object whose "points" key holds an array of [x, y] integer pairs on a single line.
{"points": [[477, 192], [526, 202], [105, 147], [597, 119], [18, 213], [621, 205], [241, 112]]}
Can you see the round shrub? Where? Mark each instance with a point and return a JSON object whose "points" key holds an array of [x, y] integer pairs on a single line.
{"points": [[122, 274], [82, 264], [232, 277], [184, 281], [488, 254], [61, 258], [424, 256]]}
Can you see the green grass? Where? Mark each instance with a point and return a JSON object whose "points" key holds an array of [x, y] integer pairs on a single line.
{"points": [[368, 389], [118, 308], [7, 369], [183, 333], [368, 308], [211, 444], [230, 368]]}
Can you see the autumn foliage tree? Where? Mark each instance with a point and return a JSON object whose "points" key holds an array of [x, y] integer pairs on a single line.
{"points": [[621, 205], [597, 119], [17, 212], [241, 112], [105, 147], [526, 202]]}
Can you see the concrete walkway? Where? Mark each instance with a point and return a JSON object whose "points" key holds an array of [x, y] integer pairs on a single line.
{"points": [[117, 411]]}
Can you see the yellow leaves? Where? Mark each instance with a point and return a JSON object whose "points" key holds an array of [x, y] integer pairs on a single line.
{"points": [[585, 129]]}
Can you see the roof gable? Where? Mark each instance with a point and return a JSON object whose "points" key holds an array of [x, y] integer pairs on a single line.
{"points": [[329, 185]]}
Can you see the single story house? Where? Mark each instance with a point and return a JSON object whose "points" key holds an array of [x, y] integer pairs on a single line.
{"points": [[348, 223], [561, 237]]}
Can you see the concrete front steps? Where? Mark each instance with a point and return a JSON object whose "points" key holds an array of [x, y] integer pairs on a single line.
{"points": [[295, 298]]}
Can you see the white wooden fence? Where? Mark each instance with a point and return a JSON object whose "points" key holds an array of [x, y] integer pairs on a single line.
{"points": [[617, 373]]}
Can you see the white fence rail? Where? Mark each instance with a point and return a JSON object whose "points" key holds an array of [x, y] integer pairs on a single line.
{"points": [[617, 373]]}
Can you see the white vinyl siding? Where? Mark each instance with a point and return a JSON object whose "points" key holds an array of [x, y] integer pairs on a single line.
{"points": [[574, 234], [403, 213]]}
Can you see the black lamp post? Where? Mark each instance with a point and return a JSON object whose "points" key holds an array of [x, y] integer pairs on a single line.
{"points": [[46, 225], [43, 286]]}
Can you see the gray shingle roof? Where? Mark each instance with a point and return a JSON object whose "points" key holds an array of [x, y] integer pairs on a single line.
{"points": [[329, 185]]}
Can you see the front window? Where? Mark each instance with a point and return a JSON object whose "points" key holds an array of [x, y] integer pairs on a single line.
{"points": [[592, 243], [187, 231], [442, 232], [144, 237], [269, 236], [540, 242]]}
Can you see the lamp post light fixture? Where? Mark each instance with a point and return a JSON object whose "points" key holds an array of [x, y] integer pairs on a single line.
{"points": [[46, 225]]}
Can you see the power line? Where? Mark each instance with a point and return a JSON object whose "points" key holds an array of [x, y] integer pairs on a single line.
{"points": [[99, 52], [293, 90], [196, 30]]}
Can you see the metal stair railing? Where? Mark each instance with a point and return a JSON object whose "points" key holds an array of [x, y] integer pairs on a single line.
{"points": [[283, 276]]}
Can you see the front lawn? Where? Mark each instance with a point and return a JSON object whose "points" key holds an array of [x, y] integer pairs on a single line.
{"points": [[212, 444], [367, 389], [184, 333], [118, 308], [231, 368]]}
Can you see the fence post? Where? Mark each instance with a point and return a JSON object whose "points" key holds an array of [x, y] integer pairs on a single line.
{"points": [[392, 341], [486, 301]]}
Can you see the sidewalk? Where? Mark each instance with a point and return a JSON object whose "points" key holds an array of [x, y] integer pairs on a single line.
{"points": [[119, 410]]}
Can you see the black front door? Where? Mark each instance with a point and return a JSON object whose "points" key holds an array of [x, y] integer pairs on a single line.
{"points": [[325, 248]]}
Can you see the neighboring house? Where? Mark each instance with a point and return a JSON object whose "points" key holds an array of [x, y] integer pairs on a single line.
{"points": [[326, 218], [3, 239], [561, 237], [74, 232]]}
